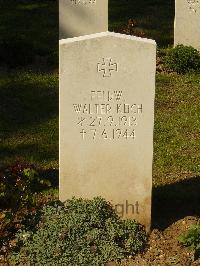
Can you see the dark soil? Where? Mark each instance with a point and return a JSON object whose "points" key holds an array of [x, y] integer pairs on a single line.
{"points": [[163, 248]]}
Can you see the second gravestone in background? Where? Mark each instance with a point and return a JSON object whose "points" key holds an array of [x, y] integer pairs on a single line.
{"points": [[82, 17], [107, 86], [187, 23]]}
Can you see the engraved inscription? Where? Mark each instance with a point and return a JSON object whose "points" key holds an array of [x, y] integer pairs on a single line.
{"points": [[107, 116], [194, 5], [83, 2], [83, 132], [99, 121], [107, 66]]}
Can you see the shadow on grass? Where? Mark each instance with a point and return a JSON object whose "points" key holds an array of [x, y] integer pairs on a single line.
{"points": [[154, 17], [28, 29], [27, 99], [29, 152], [175, 201]]}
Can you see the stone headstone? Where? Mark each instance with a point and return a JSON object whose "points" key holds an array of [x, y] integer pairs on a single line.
{"points": [[107, 84], [187, 23], [82, 17]]}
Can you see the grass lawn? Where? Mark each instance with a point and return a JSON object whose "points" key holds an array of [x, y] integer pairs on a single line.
{"points": [[176, 144], [29, 82], [29, 94], [29, 118], [29, 122]]}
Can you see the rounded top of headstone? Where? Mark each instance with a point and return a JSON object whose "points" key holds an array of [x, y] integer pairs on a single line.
{"points": [[107, 34]]}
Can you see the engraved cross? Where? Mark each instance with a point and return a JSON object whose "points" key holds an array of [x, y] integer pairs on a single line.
{"points": [[107, 66], [83, 132]]}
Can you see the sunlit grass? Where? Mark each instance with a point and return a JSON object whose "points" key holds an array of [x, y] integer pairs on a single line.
{"points": [[176, 137]]}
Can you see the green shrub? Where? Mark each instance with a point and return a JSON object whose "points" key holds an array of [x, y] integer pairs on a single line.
{"points": [[79, 232], [183, 59], [18, 183], [192, 240]]}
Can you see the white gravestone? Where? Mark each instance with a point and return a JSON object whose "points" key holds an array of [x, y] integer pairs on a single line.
{"points": [[187, 23], [81, 17], [107, 86]]}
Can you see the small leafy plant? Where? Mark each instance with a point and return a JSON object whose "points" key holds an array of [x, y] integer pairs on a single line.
{"points": [[79, 232], [192, 240], [18, 183], [183, 59]]}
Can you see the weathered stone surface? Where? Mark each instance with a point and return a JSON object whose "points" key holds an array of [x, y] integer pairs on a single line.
{"points": [[107, 85], [187, 23], [81, 17]]}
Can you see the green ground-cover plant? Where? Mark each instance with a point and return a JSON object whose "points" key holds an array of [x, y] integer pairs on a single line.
{"points": [[182, 59], [79, 232], [192, 240]]}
